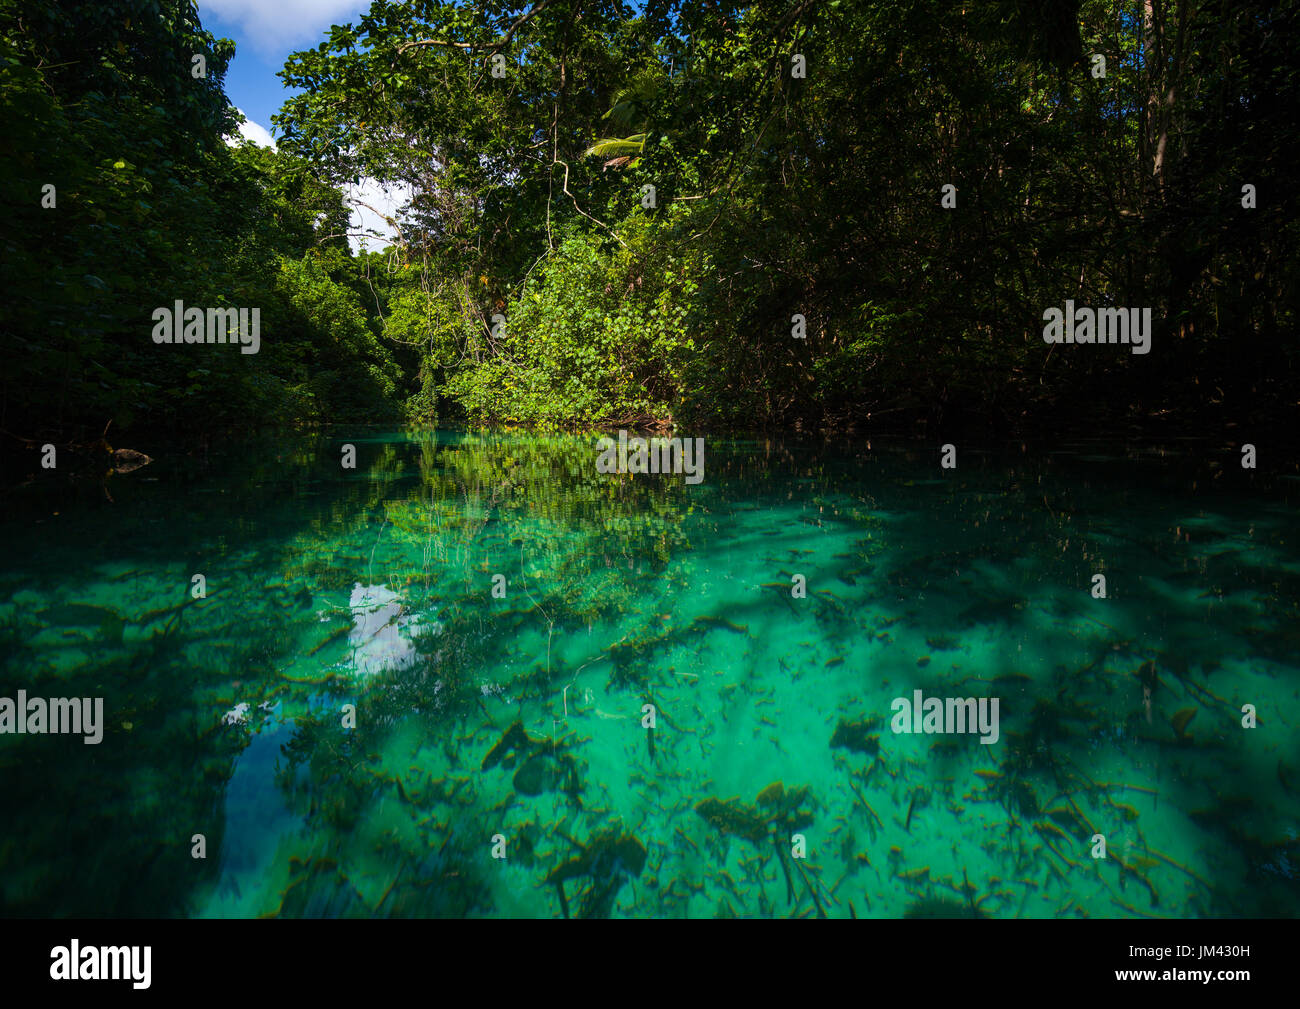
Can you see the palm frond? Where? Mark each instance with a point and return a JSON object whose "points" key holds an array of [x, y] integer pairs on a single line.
{"points": [[633, 102], [615, 148]]}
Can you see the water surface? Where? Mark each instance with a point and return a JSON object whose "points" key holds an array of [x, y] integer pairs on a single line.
{"points": [[226, 716]]}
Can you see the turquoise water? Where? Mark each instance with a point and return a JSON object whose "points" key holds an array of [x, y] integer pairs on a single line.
{"points": [[226, 716]]}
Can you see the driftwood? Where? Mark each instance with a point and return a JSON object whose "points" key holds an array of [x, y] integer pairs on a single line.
{"points": [[82, 460]]}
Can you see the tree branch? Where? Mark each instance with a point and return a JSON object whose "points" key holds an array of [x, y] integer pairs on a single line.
{"points": [[499, 44]]}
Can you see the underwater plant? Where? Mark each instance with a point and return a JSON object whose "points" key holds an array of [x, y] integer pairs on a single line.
{"points": [[779, 814], [609, 860]]}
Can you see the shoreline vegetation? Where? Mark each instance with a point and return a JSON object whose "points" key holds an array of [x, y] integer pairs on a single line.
{"points": [[768, 217]]}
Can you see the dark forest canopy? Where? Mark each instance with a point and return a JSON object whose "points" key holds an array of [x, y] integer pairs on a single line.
{"points": [[798, 152]]}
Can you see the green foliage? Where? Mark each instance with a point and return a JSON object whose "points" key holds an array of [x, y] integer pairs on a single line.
{"points": [[431, 322], [776, 196], [617, 148], [816, 196], [342, 372], [152, 206], [595, 338]]}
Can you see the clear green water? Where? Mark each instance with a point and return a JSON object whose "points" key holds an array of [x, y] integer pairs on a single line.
{"points": [[373, 587]]}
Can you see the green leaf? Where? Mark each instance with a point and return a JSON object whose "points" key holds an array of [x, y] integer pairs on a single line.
{"points": [[615, 148]]}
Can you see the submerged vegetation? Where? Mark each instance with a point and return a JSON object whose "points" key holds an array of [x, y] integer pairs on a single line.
{"points": [[515, 722]]}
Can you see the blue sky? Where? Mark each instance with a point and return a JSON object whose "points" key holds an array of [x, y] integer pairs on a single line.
{"points": [[265, 33]]}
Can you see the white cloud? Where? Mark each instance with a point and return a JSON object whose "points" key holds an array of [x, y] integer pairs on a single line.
{"points": [[381, 201], [370, 202], [255, 132], [274, 25]]}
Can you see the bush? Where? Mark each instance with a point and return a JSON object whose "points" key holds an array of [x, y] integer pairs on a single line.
{"points": [[596, 337]]}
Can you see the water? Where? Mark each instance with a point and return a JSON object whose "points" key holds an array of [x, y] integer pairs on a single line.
{"points": [[226, 716]]}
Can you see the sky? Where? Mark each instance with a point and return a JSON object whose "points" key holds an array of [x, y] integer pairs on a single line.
{"points": [[265, 33]]}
